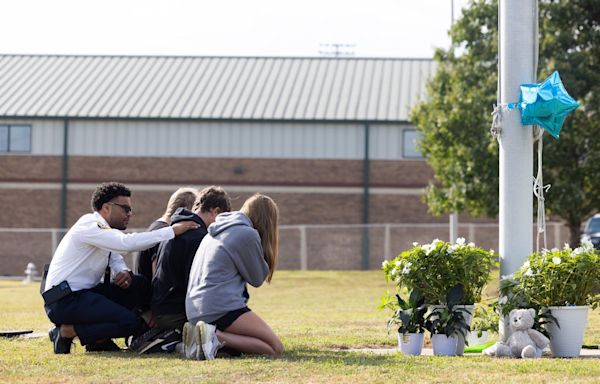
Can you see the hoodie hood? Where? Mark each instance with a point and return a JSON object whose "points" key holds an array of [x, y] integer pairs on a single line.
{"points": [[227, 220], [182, 214]]}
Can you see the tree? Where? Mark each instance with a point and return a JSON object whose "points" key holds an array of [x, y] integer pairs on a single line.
{"points": [[455, 120]]}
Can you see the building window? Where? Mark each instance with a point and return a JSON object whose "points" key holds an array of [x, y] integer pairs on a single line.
{"points": [[410, 137], [15, 138]]}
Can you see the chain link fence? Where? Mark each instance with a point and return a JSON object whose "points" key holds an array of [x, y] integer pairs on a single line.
{"points": [[301, 247]]}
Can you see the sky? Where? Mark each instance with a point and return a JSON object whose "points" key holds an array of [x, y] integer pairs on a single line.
{"points": [[366, 28]]}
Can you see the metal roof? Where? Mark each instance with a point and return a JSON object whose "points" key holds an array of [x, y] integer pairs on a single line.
{"points": [[237, 88]]}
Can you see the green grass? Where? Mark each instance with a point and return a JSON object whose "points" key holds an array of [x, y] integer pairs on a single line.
{"points": [[319, 316]]}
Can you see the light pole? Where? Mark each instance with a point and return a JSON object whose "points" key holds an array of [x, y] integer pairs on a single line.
{"points": [[517, 55]]}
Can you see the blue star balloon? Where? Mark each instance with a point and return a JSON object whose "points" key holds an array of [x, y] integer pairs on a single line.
{"points": [[546, 104]]}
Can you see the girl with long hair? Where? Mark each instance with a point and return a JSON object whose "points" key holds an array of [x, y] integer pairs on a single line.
{"points": [[241, 248]]}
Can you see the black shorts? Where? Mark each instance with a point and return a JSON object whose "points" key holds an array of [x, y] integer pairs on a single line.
{"points": [[226, 320]]}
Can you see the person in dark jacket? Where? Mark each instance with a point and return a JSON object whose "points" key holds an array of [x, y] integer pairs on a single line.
{"points": [[169, 284], [181, 198]]}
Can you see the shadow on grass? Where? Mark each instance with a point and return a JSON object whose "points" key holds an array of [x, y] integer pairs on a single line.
{"points": [[325, 357]]}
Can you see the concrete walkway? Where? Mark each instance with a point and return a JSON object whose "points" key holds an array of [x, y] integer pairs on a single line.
{"points": [[585, 353]]}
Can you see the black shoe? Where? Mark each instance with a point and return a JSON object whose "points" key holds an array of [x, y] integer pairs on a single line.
{"points": [[156, 341], [107, 346], [62, 345], [52, 333]]}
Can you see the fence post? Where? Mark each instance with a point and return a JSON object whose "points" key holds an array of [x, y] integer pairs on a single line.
{"points": [[54, 236], [303, 251], [387, 247]]}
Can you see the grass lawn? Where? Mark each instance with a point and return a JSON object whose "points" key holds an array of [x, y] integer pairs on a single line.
{"points": [[319, 316]]}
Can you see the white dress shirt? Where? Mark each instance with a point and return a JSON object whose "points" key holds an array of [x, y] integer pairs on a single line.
{"points": [[82, 255]]}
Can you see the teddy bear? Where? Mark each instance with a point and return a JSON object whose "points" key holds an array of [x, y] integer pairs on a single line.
{"points": [[524, 341]]}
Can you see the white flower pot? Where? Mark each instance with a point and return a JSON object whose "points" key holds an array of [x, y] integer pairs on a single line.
{"points": [[411, 343], [566, 341], [444, 345], [460, 343], [473, 339]]}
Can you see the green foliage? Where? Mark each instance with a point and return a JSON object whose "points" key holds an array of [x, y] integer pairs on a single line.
{"points": [[455, 119], [560, 277], [408, 316], [449, 319], [485, 318], [435, 268]]}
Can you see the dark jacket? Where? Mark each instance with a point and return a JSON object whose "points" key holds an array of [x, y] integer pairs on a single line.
{"points": [[175, 257], [144, 261]]}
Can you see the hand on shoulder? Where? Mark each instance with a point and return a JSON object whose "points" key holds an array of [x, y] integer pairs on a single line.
{"points": [[184, 226]]}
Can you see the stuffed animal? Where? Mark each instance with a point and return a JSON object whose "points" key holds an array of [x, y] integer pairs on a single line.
{"points": [[524, 341]]}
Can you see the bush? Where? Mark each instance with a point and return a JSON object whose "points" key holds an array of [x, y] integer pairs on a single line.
{"points": [[437, 267], [559, 278]]}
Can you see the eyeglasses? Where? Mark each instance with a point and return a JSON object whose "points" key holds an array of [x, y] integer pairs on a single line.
{"points": [[125, 207]]}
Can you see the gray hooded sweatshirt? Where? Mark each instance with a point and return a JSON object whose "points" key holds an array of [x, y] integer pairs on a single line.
{"points": [[230, 256]]}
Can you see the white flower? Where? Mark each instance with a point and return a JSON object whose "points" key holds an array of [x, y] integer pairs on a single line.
{"points": [[528, 272], [435, 242], [492, 252], [385, 264], [576, 251], [415, 244], [394, 271], [586, 244], [427, 248], [451, 249], [503, 300], [556, 260], [398, 263], [471, 245], [554, 250], [567, 247], [406, 269], [460, 241], [525, 265]]}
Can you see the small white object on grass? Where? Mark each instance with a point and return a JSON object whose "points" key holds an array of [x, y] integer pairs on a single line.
{"points": [[30, 273]]}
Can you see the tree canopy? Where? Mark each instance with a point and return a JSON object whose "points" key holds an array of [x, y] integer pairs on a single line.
{"points": [[455, 119]]}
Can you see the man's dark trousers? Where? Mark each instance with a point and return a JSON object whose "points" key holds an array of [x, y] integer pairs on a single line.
{"points": [[103, 312]]}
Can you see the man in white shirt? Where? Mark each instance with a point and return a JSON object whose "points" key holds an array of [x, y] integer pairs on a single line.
{"points": [[83, 307]]}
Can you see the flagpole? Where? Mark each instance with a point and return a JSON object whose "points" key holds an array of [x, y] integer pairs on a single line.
{"points": [[517, 26]]}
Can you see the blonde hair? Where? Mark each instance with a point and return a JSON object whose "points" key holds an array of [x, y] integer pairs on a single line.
{"points": [[181, 198], [264, 214]]}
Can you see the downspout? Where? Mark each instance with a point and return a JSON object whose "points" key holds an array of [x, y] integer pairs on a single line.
{"points": [[365, 215], [65, 176]]}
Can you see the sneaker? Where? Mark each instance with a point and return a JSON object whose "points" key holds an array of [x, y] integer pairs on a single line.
{"points": [[52, 333], [62, 345], [164, 342], [107, 346], [139, 342], [190, 343], [207, 339]]}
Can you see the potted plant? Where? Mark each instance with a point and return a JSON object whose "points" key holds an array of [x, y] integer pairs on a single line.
{"points": [[447, 323], [564, 283], [409, 317], [437, 267], [485, 321]]}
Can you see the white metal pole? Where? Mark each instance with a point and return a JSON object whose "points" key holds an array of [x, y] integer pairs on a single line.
{"points": [[453, 224], [518, 24]]}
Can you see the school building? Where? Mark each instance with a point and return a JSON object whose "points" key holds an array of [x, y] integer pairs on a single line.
{"points": [[329, 139]]}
